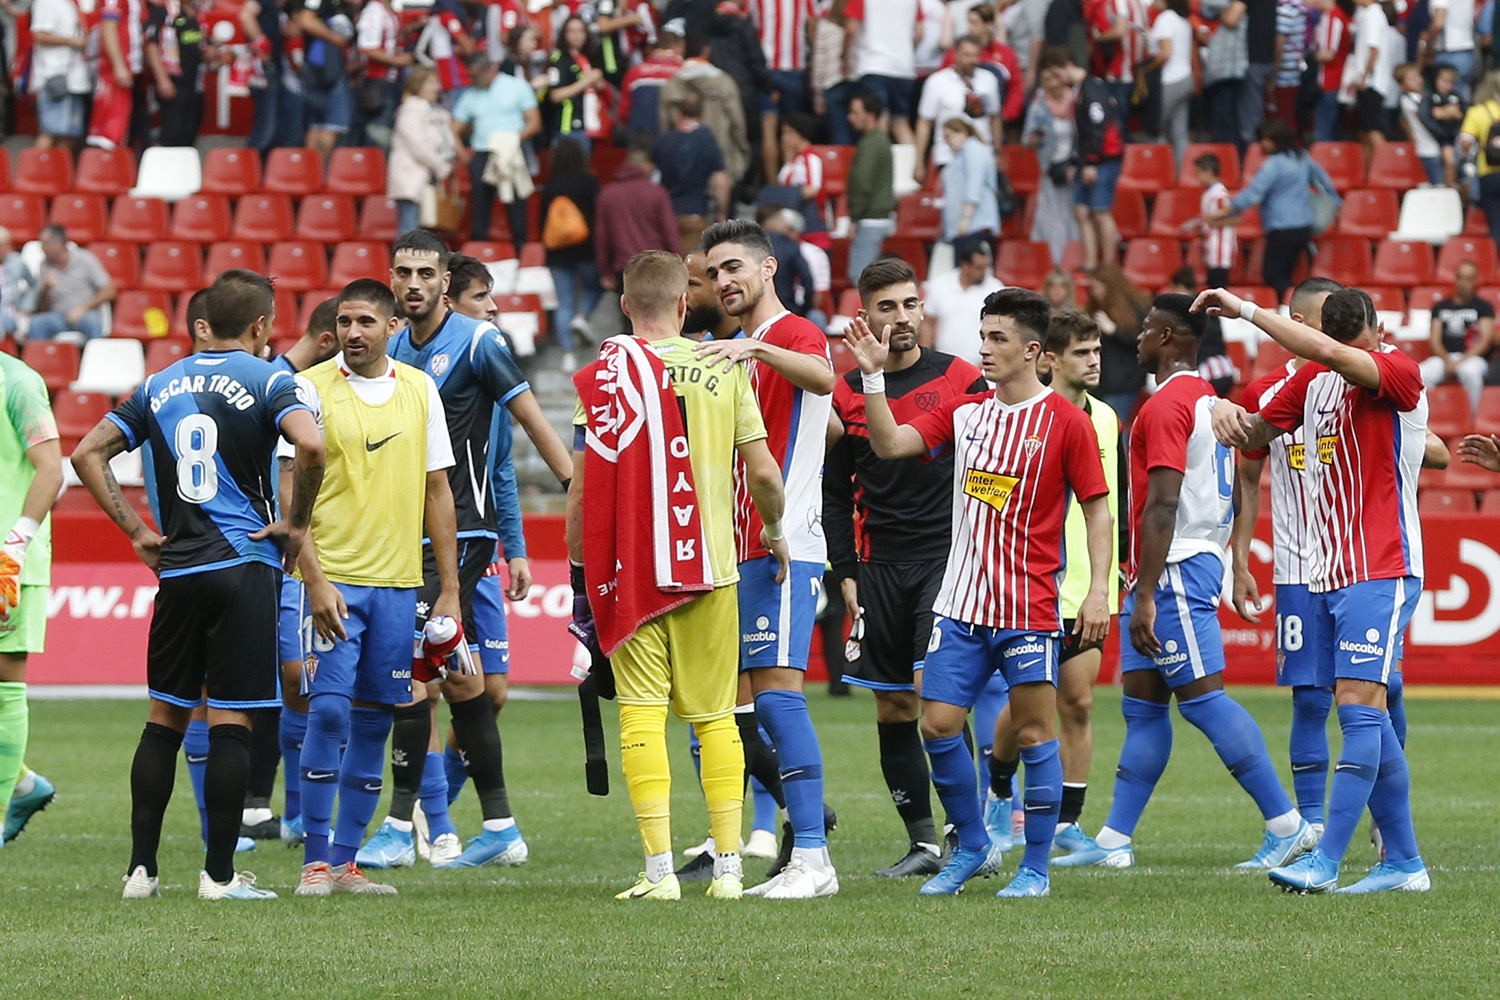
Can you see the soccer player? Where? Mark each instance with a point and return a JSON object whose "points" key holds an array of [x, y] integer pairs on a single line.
{"points": [[213, 421], [386, 485], [669, 645], [30, 478], [1363, 405], [1072, 356], [474, 372], [1021, 453], [903, 510], [792, 375], [1180, 498]]}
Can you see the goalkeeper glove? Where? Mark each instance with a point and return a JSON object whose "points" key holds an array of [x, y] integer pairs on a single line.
{"points": [[13, 561]]}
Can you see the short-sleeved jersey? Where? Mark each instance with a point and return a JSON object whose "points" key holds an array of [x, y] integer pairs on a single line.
{"points": [[1362, 477], [1291, 538], [1076, 581], [782, 26], [901, 508], [28, 423], [213, 421], [796, 431], [1174, 431], [1016, 469], [474, 372]]}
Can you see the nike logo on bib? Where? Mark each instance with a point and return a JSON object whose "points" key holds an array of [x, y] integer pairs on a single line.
{"points": [[372, 446]]}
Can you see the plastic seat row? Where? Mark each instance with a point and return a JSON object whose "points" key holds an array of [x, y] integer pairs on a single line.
{"points": [[1150, 168]]}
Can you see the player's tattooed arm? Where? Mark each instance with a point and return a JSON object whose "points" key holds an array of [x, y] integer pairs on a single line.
{"points": [[1234, 427], [91, 462], [1246, 512]]}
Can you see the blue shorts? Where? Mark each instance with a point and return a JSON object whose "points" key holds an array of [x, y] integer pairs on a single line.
{"points": [[1100, 195], [489, 625], [898, 93], [294, 621], [63, 118], [1361, 626], [777, 619], [374, 663], [1187, 623], [791, 84], [1299, 655], [961, 658], [327, 108]]}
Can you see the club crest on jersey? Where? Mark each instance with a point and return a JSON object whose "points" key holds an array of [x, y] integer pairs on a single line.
{"points": [[439, 364], [310, 667], [1296, 456], [1031, 444], [989, 487], [927, 401], [1326, 444]]}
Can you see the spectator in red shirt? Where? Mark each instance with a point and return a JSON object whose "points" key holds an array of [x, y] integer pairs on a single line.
{"points": [[640, 92], [1332, 40], [119, 103]]}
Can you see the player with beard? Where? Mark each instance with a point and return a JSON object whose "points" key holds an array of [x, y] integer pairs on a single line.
{"points": [[474, 372], [890, 569], [705, 315]]}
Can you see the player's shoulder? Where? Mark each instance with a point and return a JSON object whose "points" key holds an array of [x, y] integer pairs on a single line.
{"points": [[16, 373], [795, 333]]}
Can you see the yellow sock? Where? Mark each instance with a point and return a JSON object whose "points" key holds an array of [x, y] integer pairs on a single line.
{"points": [[643, 753], [723, 775]]}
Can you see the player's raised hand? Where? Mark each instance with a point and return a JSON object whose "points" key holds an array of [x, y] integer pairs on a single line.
{"points": [[1231, 424], [778, 548], [1247, 595], [147, 545], [1482, 450], [1093, 620], [869, 350], [1143, 627], [329, 611], [1218, 302], [520, 578]]}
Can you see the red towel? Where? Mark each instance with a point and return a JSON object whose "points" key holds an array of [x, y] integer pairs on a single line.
{"points": [[644, 551]]}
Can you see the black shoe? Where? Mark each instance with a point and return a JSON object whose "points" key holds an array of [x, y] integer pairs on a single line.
{"points": [[700, 869], [920, 860], [269, 830], [830, 824]]}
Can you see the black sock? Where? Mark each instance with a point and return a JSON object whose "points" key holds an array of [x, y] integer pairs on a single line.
{"points": [[223, 796], [265, 756], [969, 738], [411, 733], [151, 776], [904, 764], [1001, 773], [478, 735], [1072, 802], [761, 761]]}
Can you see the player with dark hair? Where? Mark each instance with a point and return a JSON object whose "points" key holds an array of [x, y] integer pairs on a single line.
{"points": [[1181, 491], [213, 421], [1021, 453], [891, 569]]}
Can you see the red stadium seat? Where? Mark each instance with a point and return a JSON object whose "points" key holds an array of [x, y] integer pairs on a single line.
{"points": [[1426, 297], [1130, 214], [1270, 357], [914, 252], [1445, 500], [130, 313], [173, 266], [377, 218], [201, 218], [1370, 214], [326, 218], [1448, 412], [77, 413], [44, 171], [523, 304], [298, 266], [162, 351], [849, 302], [1402, 262], [82, 216], [109, 172], [1463, 476], [357, 171], [1173, 207], [231, 171], [487, 251], [1458, 249], [1344, 161], [121, 260], [1489, 502], [1148, 168], [1254, 157], [1386, 299], [54, 360], [293, 171], [5, 172], [229, 254], [23, 215], [1249, 227], [1344, 259], [1023, 263], [1072, 262], [284, 326], [1487, 419], [1150, 262], [1023, 169], [138, 220], [1229, 164], [836, 160], [533, 254], [1475, 222], [359, 260], [843, 358], [920, 216], [1395, 166], [262, 218]]}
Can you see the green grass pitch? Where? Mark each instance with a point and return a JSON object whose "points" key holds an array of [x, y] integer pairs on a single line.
{"points": [[1181, 924]]}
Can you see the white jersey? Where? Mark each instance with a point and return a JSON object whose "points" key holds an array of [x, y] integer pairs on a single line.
{"points": [[1291, 538]]}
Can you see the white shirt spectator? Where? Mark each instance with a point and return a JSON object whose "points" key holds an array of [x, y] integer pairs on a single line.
{"points": [[956, 310], [1172, 26], [1371, 30], [946, 95], [59, 17], [887, 33], [376, 31], [928, 54], [1458, 27]]}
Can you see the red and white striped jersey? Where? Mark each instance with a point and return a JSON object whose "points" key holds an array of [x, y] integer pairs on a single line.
{"points": [[1174, 431], [1362, 479], [1333, 34], [783, 31], [1116, 61], [803, 170], [1291, 538], [1015, 469], [1220, 245], [796, 431]]}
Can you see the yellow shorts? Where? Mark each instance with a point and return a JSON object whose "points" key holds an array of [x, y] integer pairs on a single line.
{"points": [[24, 630], [687, 658]]}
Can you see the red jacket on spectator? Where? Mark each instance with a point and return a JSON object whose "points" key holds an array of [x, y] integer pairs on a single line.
{"points": [[654, 72], [634, 214]]}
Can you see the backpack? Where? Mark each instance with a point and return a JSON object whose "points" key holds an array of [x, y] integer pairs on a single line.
{"points": [[565, 225]]}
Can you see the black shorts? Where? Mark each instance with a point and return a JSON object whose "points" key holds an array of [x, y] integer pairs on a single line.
{"points": [[215, 632], [896, 626], [1369, 111], [1073, 645], [474, 557]]}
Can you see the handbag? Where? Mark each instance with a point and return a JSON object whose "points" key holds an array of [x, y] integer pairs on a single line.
{"points": [[441, 207], [370, 95], [565, 225]]}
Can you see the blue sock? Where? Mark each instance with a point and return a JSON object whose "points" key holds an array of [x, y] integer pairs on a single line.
{"points": [[1390, 802], [456, 770], [1309, 749], [1044, 778], [1143, 758], [195, 749], [953, 778], [1242, 748], [434, 796], [291, 734], [784, 714], [327, 726], [360, 780], [993, 698], [1353, 776], [1395, 703]]}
